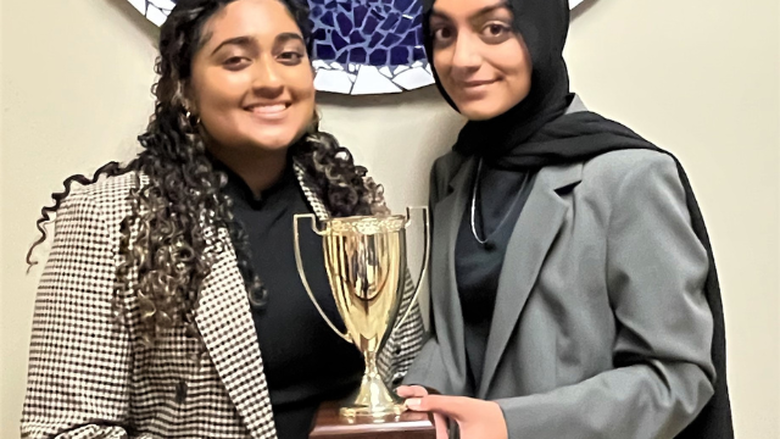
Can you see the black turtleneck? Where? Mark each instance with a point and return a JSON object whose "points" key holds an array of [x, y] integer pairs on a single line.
{"points": [[305, 363]]}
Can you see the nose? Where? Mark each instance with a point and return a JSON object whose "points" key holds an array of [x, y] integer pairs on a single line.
{"points": [[267, 79], [466, 56]]}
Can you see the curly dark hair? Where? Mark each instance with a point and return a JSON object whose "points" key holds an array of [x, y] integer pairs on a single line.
{"points": [[178, 204]]}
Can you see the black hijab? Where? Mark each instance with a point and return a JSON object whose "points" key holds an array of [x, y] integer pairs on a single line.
{"points": [[537, 133]]}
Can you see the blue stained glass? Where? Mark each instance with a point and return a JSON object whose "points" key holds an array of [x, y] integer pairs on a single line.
{"points": [[403, 5], [370, 25], [403, 25], [360, 14], [417, 22], [377, 32], [338, 42], [399, 55], [376, 37], [327, 19], [320, 35], [390, 21], [380, 15], [410, 39], [378, 57], [357, 55], [324, 51], [390, 40], [418, 53], [356, 38], [345, 24]]}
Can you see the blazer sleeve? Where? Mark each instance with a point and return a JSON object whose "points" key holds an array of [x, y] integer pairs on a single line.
{"points": [[428, 368], [404, 344], [79, 368], [405, 341], [663, 374]]}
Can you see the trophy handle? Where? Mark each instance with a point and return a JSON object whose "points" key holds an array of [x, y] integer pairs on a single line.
{"points": [[299, 264], [426, 256]]}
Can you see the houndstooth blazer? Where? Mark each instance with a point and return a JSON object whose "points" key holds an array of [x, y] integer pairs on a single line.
{"points": [[89, 374]]}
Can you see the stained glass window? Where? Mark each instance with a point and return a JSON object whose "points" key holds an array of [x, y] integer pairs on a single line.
{"points": [[360, 46]]}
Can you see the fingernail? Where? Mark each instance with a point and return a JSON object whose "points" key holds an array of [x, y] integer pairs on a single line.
{"points": [[413, 402]]}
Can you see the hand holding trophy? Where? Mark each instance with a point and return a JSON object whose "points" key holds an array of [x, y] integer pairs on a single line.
{"points": [[366, 263]]}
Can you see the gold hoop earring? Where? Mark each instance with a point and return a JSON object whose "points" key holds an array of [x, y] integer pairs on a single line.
{"points": [[192, 119]]}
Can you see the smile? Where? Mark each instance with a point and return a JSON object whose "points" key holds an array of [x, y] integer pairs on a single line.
{"points": [[269, 111], [477, 83]]}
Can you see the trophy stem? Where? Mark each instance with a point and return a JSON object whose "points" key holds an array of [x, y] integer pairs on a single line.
{"points": [[374, 399]]}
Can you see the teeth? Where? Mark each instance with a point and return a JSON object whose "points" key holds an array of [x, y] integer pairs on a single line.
{"points": [[266, 109]]}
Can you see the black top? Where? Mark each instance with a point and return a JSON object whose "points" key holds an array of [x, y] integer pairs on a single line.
{"points": [[304, 362], [500, 198], [536, 133]]}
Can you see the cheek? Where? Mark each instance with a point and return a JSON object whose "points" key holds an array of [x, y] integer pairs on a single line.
{"points": [[514, 62], [442, 63], [218, 92], [301, 85]]}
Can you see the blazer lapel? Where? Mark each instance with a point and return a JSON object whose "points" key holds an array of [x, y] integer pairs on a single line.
{"points": [[225, 322], [448, 320], [534, 233]]}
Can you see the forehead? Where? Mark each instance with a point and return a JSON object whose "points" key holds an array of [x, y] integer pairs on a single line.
{"points": [[469, 8], [260, 18]]}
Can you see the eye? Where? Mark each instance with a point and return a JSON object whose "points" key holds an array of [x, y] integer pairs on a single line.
{"points": [[291, 56], [443, 33], [496, 32], [236, 62]]}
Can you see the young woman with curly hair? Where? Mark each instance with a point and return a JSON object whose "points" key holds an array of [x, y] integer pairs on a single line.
{"points": [[170, 305]]}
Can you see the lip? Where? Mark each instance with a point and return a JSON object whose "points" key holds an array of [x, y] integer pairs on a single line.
{"points": [[477, 83], [268, 110]]}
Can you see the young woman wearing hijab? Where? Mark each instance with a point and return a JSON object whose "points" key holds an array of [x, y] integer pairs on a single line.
{"points": [[573, 289], [170, 305]]}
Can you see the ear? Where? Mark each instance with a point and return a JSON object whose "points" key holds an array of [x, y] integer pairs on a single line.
{"points": [[188, 97], [314, 124]]}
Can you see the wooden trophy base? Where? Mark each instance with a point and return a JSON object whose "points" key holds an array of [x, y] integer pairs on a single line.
{"points": [[409, 425]]}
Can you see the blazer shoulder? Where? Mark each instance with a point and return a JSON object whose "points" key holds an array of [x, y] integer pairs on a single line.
{"points": [[108, 196], [613, 168], [445, 167]]}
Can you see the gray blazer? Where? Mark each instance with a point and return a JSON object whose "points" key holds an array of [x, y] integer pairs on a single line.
{"points": [[601, 328]]}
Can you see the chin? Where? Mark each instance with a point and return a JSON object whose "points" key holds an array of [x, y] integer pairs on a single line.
{"points": [[478, 113], [274, 141], [272, 145]]}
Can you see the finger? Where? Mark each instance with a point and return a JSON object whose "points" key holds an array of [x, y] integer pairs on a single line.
{"points": [[411, 391], [454, 407], [440, 422]]}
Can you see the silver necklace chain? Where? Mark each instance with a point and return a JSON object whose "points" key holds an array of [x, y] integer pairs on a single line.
{"points": [[474, 205]]}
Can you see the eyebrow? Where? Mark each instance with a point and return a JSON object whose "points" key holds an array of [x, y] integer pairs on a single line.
{"points": [[477, 15], [246, 41], [288, 36], [243, 41]]}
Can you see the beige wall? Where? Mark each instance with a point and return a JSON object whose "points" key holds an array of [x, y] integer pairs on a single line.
{"points": [[3, 406], [701, 79]]}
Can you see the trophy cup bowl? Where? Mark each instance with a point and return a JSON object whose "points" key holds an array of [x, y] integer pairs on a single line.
{"points": [[366, 263]]}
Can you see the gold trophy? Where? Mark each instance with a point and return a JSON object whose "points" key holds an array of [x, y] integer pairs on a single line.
{"points": [[366, 264]]}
